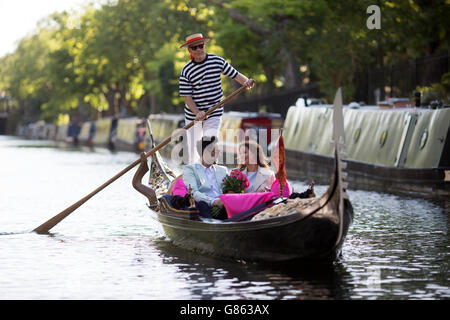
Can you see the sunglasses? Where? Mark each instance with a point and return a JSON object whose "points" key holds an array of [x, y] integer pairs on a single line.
{"points": [[200, 46]]}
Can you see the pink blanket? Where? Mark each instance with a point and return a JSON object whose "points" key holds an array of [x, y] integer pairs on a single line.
{"points": [[239, 202], [287, 191]]}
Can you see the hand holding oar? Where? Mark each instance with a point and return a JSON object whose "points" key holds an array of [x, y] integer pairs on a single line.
{"points": [[46, 226]]}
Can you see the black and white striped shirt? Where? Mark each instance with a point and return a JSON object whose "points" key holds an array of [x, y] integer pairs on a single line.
{"points": [[202, 81]]}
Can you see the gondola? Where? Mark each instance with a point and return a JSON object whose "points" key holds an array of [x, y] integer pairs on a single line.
{"points": [[310, 229]]}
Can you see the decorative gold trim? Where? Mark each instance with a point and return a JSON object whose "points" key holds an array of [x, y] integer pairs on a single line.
{"points": [[166, 205]]}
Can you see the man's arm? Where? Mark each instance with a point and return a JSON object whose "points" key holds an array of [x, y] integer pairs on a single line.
{"points": [[231, 72], [199, 115], [243, 80]]}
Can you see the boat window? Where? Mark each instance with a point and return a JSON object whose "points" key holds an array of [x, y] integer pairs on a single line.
{"points": [[296, 128], [423, 138], [383, 138], [356, 135]]}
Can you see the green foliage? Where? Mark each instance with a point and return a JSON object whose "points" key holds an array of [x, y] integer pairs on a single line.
{"points": [[125, 55], [235, 182], [437, 91]]}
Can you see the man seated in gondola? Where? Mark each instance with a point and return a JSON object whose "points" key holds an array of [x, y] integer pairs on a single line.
{"points": [[205, 178]]}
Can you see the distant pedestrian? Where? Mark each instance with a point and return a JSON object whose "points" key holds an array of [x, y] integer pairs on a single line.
{"points": [[201, 86]]}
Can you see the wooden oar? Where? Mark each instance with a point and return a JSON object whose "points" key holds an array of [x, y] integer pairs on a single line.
{"points": [[46, 226]]}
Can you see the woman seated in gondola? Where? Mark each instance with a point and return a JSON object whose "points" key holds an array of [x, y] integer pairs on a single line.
{"points": [[253, 163]]}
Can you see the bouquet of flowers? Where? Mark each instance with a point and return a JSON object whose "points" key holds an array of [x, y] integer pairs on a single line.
{"points": [[235, 182]]}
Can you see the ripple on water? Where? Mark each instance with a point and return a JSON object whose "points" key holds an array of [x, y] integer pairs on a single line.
{"points": [[110, 248]]}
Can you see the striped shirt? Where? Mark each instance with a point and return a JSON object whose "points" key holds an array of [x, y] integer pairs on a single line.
{"points": [[202, 81]]}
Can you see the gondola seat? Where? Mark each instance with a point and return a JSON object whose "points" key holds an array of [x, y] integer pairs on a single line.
{"points": [[166, 203]]}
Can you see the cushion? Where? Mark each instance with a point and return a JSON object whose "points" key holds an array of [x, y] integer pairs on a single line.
{"points": [[236, 203], [179, 188], [275, 188]]}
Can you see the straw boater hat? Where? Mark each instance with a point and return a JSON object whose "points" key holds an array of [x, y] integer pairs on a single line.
{"points": [[195, 39]]}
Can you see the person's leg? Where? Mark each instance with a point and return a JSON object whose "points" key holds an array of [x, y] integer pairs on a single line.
{"points": [[204, 209], [223, 214], [211, 126], [210, 129], [193, 135]]}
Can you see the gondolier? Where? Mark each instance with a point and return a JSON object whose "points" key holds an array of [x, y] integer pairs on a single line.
{"points": [[201, 86]]}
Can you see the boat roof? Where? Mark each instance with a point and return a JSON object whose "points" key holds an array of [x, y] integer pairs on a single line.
{"points": [[228, 114], [167, 116], [368, 107], [241, 114]]}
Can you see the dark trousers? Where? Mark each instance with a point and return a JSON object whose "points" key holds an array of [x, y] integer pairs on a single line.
{"points": [[204, 209]]}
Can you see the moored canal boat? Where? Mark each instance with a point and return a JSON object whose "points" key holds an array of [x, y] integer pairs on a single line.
{"points": [[397, 149]]}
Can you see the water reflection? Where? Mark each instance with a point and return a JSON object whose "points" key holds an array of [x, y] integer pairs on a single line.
{"points": [[211, 278], [403, 240]]}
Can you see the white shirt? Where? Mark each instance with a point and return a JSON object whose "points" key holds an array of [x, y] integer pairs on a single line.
{"points": [[214, 192], [251, 176], [202, 81]]}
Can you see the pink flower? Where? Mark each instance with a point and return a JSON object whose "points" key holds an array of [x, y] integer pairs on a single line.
{"points": [[235, 179], [243, 178]]}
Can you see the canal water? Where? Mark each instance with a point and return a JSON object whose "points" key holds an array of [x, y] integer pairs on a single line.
{"points": [[111, 248]]}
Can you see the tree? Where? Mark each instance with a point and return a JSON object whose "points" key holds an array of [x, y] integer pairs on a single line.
{"points": [[124, 57]]}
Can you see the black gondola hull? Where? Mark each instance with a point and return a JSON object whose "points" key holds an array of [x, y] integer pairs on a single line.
{"points": [[289, 237]]}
